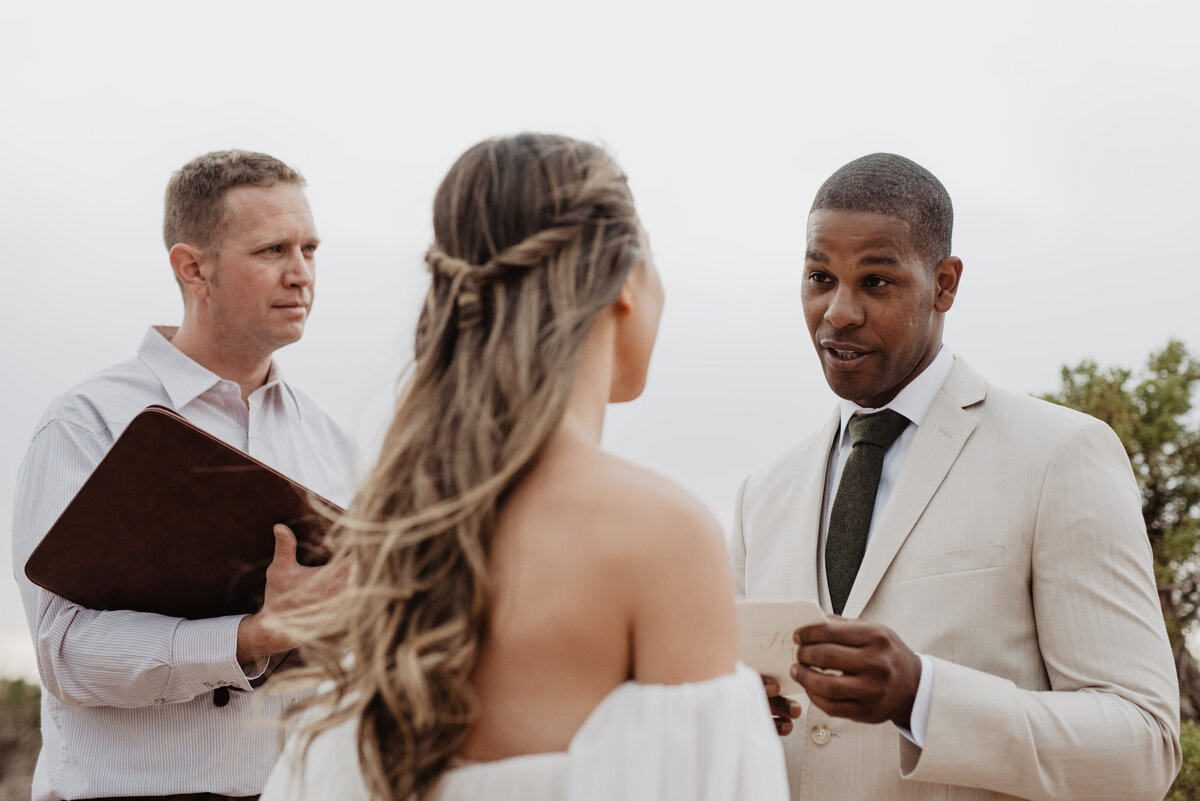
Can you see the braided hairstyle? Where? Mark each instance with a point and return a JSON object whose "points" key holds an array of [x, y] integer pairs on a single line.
{"points": [[534, 235]]}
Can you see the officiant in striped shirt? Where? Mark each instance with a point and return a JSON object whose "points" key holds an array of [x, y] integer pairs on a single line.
{"points": [[136, 704]]}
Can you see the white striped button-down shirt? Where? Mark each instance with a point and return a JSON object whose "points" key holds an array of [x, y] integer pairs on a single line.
{"points": [[128, 704]]}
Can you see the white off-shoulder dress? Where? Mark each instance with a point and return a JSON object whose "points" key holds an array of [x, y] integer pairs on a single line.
{"points": [[705, 741]]}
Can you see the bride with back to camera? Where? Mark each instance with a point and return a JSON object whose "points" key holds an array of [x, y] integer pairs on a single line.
{"points": [[530, 617]]}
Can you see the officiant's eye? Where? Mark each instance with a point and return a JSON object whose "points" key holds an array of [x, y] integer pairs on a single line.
{"points": [[819, 277], [875, 281]]}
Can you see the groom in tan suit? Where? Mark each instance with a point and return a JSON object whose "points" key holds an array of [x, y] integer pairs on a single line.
{"points": [[997, 630]]}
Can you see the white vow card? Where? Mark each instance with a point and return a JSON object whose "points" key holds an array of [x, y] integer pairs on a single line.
{"points": [[765, 637]]}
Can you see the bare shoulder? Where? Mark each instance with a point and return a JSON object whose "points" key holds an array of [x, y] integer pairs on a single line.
{"points": [[656, 517], [676, 579], [605, 514], [619, 543], [619, 523]]}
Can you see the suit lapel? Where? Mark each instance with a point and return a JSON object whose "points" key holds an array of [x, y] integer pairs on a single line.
{"points": [[939, 440], [803, 519]]}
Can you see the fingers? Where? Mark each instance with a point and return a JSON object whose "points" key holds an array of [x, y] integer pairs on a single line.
{"points": [[833, 687], [841, 701], [840, 696], [285, 543], [852, 647], [783, 710], [839, 630], [783, 713], [837, 659], [286, 578], [781, 706], [862, 671]]}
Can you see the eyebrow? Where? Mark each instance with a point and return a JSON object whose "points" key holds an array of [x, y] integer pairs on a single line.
{"points": [[876, 261], [303, 241], [816, 255]]}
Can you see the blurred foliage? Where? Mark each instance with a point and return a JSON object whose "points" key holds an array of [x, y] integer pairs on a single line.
{"points": [[1187, 783], [20, 737], [20, 702]]}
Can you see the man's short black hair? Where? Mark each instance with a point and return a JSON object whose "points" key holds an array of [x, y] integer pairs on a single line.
{"points": [[884, 183]]}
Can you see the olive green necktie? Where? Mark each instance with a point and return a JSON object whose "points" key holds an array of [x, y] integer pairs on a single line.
{"points": [[850, 519]]}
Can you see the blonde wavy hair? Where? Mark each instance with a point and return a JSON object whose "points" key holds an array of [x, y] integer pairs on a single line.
{"points": [[534, 235]]}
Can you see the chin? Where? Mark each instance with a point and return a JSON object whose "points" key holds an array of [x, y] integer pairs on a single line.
{"points": [[627, 394], [850, 390], [283, 340], [293, 335]]}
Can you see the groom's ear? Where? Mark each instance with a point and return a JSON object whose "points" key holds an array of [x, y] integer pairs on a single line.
{"points": [[946, 276]]}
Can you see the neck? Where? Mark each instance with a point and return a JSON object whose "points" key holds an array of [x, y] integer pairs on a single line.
{"points": [[590, 391], [230, 362], [583, 422]]}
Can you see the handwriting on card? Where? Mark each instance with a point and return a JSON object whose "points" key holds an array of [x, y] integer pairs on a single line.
{"points": [[765, 636]]}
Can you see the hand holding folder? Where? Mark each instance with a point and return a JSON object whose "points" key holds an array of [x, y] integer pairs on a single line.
{"points": [[177, 522]]}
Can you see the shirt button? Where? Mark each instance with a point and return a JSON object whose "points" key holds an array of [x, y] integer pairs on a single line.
{"points": [[820, 734]]}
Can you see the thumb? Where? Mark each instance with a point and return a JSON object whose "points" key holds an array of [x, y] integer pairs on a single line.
{"points": [[285, 543]]}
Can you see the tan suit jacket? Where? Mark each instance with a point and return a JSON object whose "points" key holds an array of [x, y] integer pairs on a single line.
{"points": [[1012, 551]]}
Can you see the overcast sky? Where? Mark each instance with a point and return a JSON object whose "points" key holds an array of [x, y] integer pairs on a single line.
{"points": [[1064, 131]]}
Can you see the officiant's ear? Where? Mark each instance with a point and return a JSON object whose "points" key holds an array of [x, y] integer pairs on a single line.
{"points": [[188, 262]]}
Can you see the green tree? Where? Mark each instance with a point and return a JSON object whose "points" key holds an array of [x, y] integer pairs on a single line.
{"points": [[20, 738], [1152, 414]]}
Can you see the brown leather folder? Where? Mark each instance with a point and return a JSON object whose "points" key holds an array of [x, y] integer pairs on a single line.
{"points": [[174, 521]]}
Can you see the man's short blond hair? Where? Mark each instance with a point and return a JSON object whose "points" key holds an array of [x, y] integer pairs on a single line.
{"points": [[194, 207]]}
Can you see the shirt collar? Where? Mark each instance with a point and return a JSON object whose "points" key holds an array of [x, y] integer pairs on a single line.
{"points": [[275, 379], [185, 379], [182, 378], [915, 399]]}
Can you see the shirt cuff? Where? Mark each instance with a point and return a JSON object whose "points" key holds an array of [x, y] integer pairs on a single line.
{"points": [[206, 654], [920, 710]]}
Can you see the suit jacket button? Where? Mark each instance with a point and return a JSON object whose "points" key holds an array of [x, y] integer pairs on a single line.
{"points": [[820, 734]]}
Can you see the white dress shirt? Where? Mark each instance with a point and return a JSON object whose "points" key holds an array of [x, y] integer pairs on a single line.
{"points": [[128, 707], [913, 402]]}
